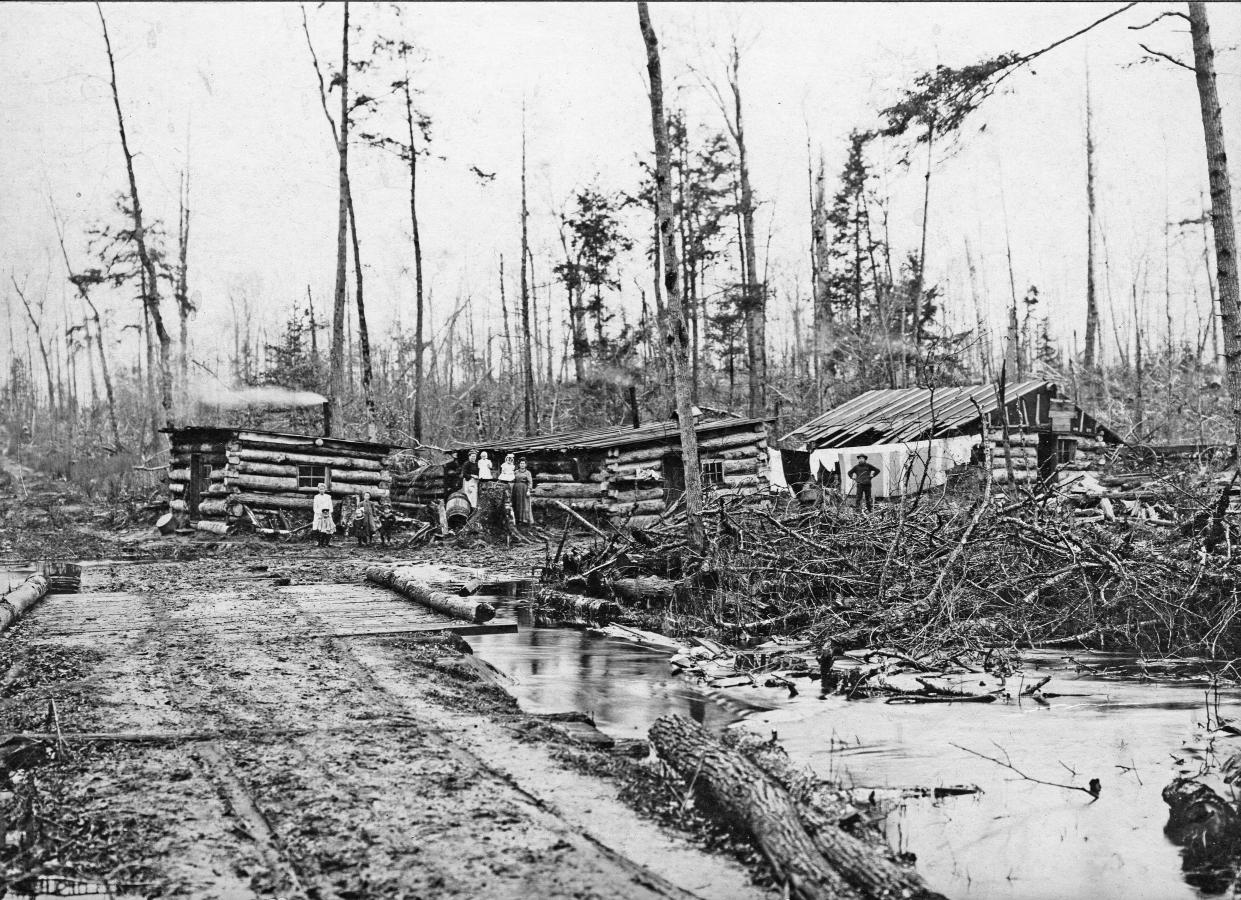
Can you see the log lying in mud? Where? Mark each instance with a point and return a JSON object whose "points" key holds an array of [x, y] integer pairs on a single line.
{"points": [[402, 581], [812, 857], [646, 590], [17, 601], [1206, 825], [585, 607]]}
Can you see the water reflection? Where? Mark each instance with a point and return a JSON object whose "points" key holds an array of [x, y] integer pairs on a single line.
{"points": [[1018, 840]]}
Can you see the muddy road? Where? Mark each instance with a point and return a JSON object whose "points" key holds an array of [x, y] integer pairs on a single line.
{"points": [[228, 735]]}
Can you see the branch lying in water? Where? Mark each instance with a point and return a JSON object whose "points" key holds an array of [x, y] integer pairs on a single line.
{"points": [[1093, 790]]}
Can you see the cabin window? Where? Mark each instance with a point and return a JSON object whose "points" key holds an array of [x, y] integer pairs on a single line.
{"points": [[312, 476], [713, 472], [1066, 451]]}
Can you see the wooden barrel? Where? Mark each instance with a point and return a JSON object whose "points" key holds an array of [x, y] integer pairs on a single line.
{"points": [[165, 524], [458, 509]]}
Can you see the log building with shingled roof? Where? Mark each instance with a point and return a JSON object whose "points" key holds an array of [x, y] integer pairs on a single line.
{"points": [[630, 475]]}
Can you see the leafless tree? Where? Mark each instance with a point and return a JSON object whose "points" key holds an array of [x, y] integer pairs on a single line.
{"points": [[675, 330]]}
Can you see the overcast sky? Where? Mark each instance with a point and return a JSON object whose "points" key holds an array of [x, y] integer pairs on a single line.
{"points": [[229, 87]]}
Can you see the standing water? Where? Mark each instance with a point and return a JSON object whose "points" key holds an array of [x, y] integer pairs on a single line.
{"points": [[1017, 839]]}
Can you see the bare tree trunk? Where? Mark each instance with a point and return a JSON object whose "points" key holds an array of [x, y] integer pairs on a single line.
{"points": [[38, 333], [151, 290], [1221, 206], [508, 331], [819, 272], [420, 305], [755, 294], [336, 387], [920, 274], [80, 283], [184, 307], [364, 337], [1092, 303], [677, 339], [527, 365]]}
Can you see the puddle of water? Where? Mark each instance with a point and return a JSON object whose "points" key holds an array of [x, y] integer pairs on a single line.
{"points": [[1018, 840]]}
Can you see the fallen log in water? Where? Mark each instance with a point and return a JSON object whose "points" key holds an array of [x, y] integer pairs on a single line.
{"points": [[586, 607], [402, 581], [647, 590], [808, 853], [15, 603]]}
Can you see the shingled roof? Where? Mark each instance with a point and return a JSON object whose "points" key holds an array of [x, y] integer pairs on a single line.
{"points": [[911, 414], [613, 436]]}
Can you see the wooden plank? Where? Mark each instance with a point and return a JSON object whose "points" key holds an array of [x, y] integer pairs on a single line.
{"points": [[495, 626]]}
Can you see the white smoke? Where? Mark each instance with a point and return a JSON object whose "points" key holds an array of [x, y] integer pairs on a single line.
{"points": [[269, 395]]}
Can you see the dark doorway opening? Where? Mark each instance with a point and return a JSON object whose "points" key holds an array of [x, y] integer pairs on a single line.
{"points": [[200, 480], [674, 478]]}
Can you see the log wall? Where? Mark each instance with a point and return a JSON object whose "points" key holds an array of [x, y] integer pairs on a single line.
{"points": [[260, 471]]}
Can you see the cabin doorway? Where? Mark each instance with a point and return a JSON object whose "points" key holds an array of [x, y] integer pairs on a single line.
{"points": [[200, 479], [1048, 458], [674, 478]]}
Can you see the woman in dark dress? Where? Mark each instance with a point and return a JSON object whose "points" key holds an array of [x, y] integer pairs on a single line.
{"points": [[523, 484]]}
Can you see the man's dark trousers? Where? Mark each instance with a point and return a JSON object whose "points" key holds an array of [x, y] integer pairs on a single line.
{"points": [[863, 490]]}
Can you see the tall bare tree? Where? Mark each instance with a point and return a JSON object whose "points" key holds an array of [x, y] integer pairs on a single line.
{"points": [[36, 322], [83, 282], [527, 365], [675, 328], [150, 289], [1092, 302], [185, 306], [1222, 221]]}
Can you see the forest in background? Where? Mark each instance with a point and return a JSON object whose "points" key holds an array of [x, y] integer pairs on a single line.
{"points": [[565, 358]]}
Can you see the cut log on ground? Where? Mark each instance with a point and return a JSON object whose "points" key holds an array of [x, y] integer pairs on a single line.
{"points": [[211, 526], [646, 590], [399, 580], [583, 607], [812, 857], [15, 603], [738, 792]]}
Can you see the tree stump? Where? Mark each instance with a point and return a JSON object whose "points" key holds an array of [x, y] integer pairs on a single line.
{"points": [[494, 514]]}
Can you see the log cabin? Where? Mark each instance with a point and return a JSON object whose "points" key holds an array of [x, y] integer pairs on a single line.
{"points": [[629, 475], [218, 477], [917, 436]]}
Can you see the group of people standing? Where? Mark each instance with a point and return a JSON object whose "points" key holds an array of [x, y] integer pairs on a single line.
{"points": [[364, 521], [513, 471]]}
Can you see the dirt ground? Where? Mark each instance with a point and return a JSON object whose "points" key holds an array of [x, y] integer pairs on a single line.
{"points": [[269, 756]]}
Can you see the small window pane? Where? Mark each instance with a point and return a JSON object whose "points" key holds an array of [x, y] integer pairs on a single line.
{"points": [[311, 476]]}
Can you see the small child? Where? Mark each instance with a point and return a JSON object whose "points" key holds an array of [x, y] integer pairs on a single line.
{"points": [[387, 523], [484, 467]]}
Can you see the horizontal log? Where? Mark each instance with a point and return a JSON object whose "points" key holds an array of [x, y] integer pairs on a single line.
{"points": [[739, 481], [746, 452], [15, 603], [211, 526], [272, 470], [749, 800], [210, 508], [555, 477], [635, 496], [179, 475], [636, 523], [740, 466], [638, 508], [584, 607], [280, 457], [578, 505], [272, 501], [402, 580], [647, 590], [179, 448], [288, 487], [177, 505], [176, 488], [568, 490], [1020, 476], [756, 439], [326, 449], [645, 454]]}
